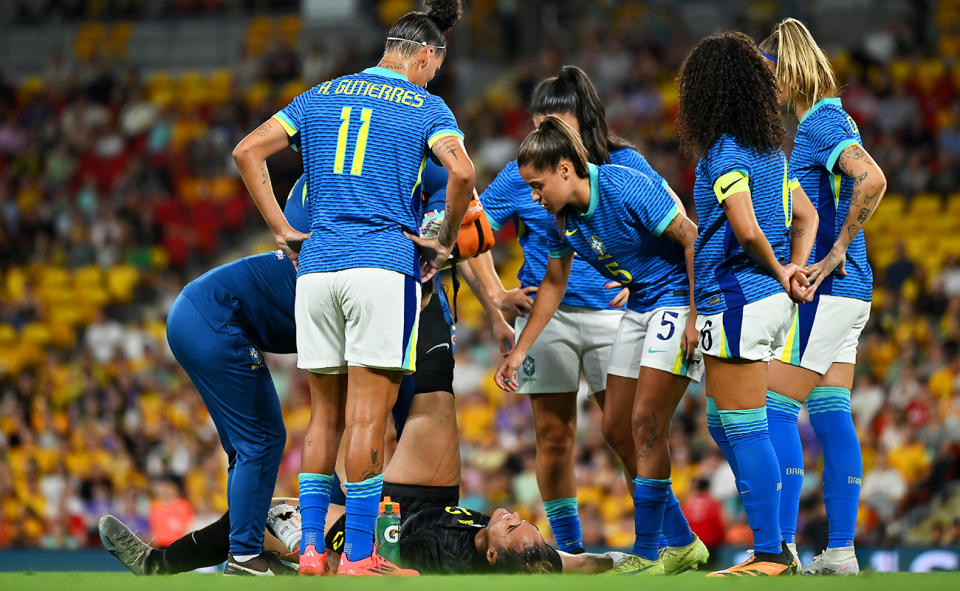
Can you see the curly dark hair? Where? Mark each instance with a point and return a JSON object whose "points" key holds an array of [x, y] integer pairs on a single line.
{"points": [[725, 87]]}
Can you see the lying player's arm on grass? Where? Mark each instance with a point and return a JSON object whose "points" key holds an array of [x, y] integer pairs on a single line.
{"points": [[516, 301], [502, 332], [738, 207], [251, 156], [552, 288], [869, 185], [684, 232], [585, 563]]}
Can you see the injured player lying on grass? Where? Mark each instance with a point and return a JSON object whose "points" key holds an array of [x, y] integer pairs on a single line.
{"points": [[436, 536], [435, 539]]}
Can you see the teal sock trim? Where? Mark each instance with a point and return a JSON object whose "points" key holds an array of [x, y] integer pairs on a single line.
{"points": [[828, 399], [365, 487], [713, 415], [560, 507], [652, 482], [737, 422], [781, 399]]}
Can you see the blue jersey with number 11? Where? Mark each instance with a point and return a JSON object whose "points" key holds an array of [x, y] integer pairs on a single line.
{"points": [[364, 139], [620, 236]]}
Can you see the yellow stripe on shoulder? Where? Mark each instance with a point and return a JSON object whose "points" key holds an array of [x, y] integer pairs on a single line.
{"points": [[735, 181], [287, 127], [439, 136]]}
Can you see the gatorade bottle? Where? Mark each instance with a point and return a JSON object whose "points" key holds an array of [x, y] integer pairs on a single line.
{"points": [[388, 531]]}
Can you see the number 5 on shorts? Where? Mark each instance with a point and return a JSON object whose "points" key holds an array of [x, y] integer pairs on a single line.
{"points": [[669, 324]]}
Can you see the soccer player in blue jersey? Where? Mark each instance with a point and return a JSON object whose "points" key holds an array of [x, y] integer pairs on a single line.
{"points": [[364, 139], [754, 235], [579, 337], [816, 364], [628, 227]]}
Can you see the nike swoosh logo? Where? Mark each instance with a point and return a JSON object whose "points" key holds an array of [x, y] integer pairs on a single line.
{"points": [[656, 351], [447, 345], [727, 188], [569, 233]]}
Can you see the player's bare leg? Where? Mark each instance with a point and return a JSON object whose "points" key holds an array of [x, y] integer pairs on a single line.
{"points": [[428, 453]]}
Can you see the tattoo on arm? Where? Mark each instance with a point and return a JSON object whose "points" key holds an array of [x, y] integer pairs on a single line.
{"points": [[798, 232], [448, 145], [264, 129], [264, 176], [678, 230], [864, 214]]}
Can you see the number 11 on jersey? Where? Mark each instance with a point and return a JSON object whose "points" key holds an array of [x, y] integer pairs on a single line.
{"points": [[360, 149]]}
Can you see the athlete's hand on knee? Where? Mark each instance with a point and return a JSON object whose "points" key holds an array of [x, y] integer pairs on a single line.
{"points": [[290, 241], [622, 296], [691, 337], [433, 255], [506, 376], [517, 300]]}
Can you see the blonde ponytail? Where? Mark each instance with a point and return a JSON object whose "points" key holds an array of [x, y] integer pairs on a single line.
{"points": [[803, 71]]}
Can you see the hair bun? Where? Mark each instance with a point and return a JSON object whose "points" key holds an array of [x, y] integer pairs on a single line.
{"points": [[444, 13]]}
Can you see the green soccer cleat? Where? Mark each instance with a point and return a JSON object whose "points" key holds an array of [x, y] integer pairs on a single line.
{"points": [[124, 544], [679, 559], [635, 565]]}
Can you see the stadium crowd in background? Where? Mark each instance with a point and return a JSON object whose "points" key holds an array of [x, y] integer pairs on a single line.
{"points": [[116, 188]]}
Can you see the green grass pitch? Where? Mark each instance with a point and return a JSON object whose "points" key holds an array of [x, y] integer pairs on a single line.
{"points": [[689, 581]]}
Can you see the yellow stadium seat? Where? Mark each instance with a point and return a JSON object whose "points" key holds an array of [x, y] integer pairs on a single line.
{"points": [[926, 204], [290, 28], [35, 333], [900, 70], [121, 280]]}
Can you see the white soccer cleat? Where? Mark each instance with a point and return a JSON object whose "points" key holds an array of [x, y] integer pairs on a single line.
{"points": [[125, 546], [834, 561], [283, 522]]}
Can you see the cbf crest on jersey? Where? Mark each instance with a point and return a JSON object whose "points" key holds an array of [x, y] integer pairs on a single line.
{"points": [[256, 359], [529, 366], [597, 245]]}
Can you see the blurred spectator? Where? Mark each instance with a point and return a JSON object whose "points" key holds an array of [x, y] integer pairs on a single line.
{"points": [[705, 515], [170, 514]]}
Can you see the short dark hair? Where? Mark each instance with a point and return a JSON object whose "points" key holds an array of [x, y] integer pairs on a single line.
{"points": [[726, 88], [572, 91], [535, 559], [416, 29], [551, 142]]}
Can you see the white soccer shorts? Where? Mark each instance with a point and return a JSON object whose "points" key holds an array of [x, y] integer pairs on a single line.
{"points": [[576, 340], [825, 331], [364, 317], [752, 332], [653, 339]]}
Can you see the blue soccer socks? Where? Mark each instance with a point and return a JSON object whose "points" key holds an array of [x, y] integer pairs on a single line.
{"points": [[565, 523], [649, 504], [782, 414], [829, 409], [363, 505], [759, 474], [314, 501]]}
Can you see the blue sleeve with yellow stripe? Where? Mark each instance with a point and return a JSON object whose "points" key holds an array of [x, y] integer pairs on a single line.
{"points": [[439, 121]]}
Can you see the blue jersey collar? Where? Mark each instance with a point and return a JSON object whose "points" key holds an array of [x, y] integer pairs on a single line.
{"points": [[818, 104], [386, 73], [594, 190]]}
